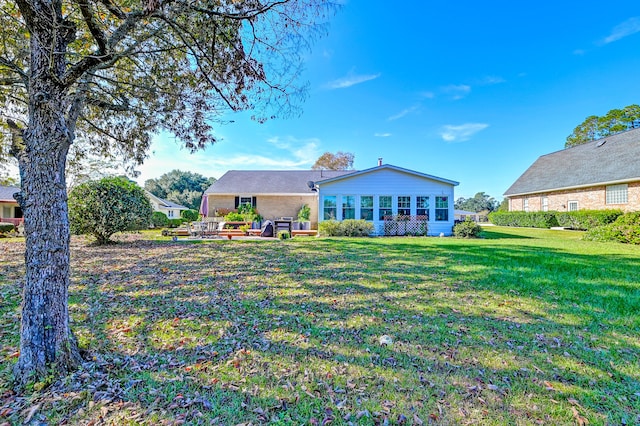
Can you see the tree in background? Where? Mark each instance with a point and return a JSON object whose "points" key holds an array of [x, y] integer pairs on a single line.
{"points": [[106, 206], [184, 188], [338, 161], [594, 127], [480, 202], [118, 72]]}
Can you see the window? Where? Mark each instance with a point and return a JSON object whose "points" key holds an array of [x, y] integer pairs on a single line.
{"points": [[170, 213], [366, 207], [404, 205], [245, 200], [525, 204], [348, 207], [384, 206], [617, 194], [422, 206], [544, 201], [573, 206], [442, 209], [329, 207]]}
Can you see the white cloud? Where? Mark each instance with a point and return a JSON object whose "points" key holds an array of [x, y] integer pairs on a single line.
{"points": [[457, 91], [382, 135], [403, 113], [490, 80], [460, 133], [428, 95], [625, 29], [351, 80]]}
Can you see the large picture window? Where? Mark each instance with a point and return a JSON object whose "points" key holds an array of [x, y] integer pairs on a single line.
{"points": [[617, 194], [329, 207], [384, 206], [442, 209], [404, 205], [348, 207], [422, 206], [366, 207]]}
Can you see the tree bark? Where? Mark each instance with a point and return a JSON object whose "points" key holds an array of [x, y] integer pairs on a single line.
{"points": [[47, 345]]}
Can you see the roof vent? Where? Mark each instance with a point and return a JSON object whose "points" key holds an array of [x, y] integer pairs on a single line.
{"points": [[602, 142]]}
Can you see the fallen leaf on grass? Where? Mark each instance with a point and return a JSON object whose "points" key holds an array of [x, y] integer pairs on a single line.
{"points": [[579, 419]]}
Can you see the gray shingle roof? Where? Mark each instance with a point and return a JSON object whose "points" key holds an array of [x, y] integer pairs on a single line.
{"points": [[6, 193], [256, 182], [612, 159]]}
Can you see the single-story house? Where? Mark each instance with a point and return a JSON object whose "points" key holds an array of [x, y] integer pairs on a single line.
{"points": [[171, 209], [385, 191], [10, 211], [602, 174]]}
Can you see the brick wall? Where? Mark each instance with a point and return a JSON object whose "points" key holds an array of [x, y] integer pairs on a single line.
{"points": [[593, 198]]}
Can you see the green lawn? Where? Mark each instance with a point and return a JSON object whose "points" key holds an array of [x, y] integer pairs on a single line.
{"points": [[521, 327]]}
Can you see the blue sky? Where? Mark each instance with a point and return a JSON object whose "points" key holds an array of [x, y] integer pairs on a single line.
{"points": [[468, 91]]}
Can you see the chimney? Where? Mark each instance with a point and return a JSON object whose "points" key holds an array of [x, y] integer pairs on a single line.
{"points": [[379, 161]]}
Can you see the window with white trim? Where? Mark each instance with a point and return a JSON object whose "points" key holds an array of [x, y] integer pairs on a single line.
{"points": [[366, 207], [348, 207], [170, 213], [404, 205], [573, 206], [384, 206], [442, 209], [617, 194], [525, 204], [329, 207], [422, 206], [544, 201]]}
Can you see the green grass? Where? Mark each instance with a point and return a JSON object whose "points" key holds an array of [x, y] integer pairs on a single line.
{"points": [[523, 326]]}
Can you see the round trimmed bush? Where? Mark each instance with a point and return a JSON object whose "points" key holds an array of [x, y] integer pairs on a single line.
{"points": [[467, 229], [106, 206]]}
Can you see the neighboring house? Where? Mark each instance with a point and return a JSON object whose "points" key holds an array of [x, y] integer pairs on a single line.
{"points": [[603, 174], [9, 210], [462, 215], [371, 194], [171, 209], [386, 191], [273, 193]]}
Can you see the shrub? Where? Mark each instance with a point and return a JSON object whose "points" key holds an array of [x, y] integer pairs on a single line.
{"points": [[587, 219], [190, 215], [467, 229], [159, 219], [106, 206], [356, 228], [347, 228], [524, 219], [329, 228], [234, 217], [625, 229], [284, 235], [6, 227], [304, 214], [174, 223]]}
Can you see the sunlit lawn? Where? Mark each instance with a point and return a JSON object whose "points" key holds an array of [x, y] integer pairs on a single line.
{"points": [[520, 327]]}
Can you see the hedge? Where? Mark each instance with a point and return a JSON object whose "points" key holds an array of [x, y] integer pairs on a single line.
{"points": [[580, 219], [524, 219], [346, 228], [587, 219], [7, 227], [625, 229]]}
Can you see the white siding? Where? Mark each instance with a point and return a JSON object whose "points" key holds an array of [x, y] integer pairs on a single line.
{"points": [[394, 183]]}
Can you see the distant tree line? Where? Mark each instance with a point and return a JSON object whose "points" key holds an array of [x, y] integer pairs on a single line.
{"points": [[480, 202], [184, 188], [594, 127]]}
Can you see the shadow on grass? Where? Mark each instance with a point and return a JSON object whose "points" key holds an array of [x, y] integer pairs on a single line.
{"points": [[285, 332]]}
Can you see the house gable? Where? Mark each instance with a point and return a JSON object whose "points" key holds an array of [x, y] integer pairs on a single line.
{"points": [[614, 159]]}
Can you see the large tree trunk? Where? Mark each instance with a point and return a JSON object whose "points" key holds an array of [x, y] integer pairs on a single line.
{"points": [[46, 343]]}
